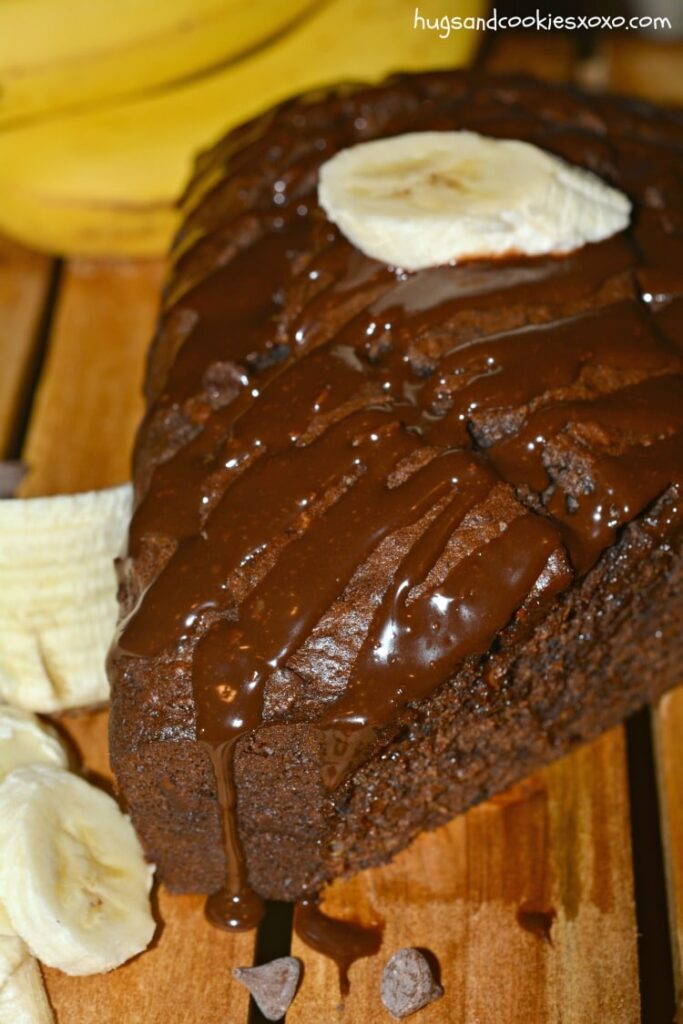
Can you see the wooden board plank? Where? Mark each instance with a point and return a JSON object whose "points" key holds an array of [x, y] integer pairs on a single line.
{"points": [[89, 402], [555, 843], [80, 436], [24, 282], [668, 736]]}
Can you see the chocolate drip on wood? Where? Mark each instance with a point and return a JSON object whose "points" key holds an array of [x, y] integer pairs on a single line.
{"points": [[344, 942], [537, 920]]}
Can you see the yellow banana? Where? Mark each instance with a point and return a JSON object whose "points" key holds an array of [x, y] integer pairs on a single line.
{"points": [[77, 53], [105, 181]]}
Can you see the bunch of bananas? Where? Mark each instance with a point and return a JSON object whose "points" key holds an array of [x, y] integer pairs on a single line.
{"points": [[104, 105]]}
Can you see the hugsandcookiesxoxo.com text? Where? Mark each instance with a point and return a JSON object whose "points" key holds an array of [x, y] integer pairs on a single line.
{"points": [[445, 24]]}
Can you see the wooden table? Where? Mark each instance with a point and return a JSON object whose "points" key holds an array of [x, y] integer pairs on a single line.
{"points": [[598, 836]]}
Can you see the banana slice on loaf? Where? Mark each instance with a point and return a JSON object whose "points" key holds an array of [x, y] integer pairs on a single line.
{"points": [[428, 198]]}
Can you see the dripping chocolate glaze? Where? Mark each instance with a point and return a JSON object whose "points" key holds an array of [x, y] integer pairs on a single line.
{"points": [[537, 920], [513, 414], [344, 942]]}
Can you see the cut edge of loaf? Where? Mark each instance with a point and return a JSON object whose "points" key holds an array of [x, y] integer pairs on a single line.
{"points": [[605, 647]]}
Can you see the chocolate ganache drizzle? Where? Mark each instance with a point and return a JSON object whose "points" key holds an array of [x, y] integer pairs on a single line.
{"points": [[497, 422]]}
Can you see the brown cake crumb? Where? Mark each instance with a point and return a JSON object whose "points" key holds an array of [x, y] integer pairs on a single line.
{"points": [[408, 983], [272, 985]]}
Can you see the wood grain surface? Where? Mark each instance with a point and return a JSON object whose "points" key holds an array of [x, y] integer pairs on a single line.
{"points": [[89, 400], [558, 843], [668, 731], [24, 281]]}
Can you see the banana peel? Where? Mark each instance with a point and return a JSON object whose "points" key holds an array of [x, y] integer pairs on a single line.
{"points": [[105, 182], [76, 53]]}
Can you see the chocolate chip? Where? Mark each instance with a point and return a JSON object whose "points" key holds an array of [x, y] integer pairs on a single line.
{"points": [[407, 983], [11, 474], [272, 985], [270, 356]]}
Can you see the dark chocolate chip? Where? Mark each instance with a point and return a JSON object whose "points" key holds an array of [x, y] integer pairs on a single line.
{"points": [[272, 985], [11, 474], [273, 354], [408, 983]]}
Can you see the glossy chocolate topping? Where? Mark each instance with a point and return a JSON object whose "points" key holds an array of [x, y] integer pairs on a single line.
{"points": [[344, 942], [493, 424]]}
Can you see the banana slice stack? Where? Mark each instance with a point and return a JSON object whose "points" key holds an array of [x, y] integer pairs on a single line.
{"points": [[74, 884], [58, 596]]}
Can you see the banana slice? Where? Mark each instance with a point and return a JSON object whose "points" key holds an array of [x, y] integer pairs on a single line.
{"points": [[428, 198], [22, 995], [58, 604], [73, 879], [26, 740], [11, 955], [23, 740]]}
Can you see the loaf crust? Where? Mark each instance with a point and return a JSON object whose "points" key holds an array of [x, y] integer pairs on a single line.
{"points": [[596, 634]]}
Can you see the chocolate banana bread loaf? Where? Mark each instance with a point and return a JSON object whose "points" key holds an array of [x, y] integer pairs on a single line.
{"points": [[399, 538]]}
